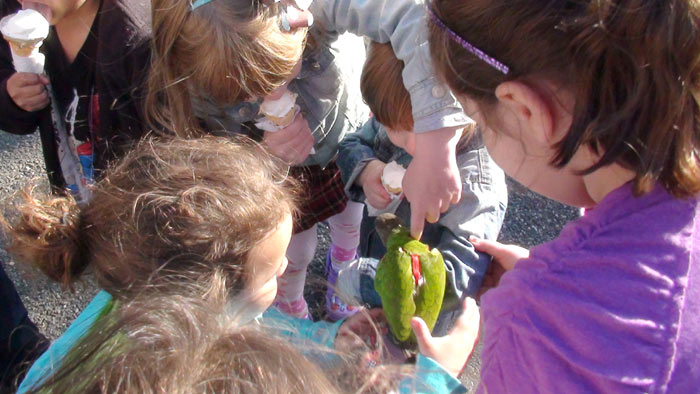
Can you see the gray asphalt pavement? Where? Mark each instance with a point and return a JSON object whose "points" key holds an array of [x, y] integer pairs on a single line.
{"points": [[530, 220]]}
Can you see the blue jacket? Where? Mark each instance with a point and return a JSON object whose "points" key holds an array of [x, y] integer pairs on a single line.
{"points": [[328, 84], [480, 211]]}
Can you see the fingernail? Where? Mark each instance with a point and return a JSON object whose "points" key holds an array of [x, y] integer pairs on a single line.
{"points": [[473, 239]]}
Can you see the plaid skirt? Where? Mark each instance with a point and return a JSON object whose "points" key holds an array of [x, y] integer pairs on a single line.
{"points": [[323, 194]]}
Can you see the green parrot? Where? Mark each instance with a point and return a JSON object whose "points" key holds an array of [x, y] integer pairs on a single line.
{"points": [[410, 279]]}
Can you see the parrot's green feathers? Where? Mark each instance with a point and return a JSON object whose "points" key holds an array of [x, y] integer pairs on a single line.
{"points": [[411, 282]]}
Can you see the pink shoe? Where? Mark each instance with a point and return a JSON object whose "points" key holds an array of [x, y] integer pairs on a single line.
{"points": [[296, 308], [336, 309]]}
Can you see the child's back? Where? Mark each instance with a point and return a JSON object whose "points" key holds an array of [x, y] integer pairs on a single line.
{"points": [[594, 104], [617, 296]]}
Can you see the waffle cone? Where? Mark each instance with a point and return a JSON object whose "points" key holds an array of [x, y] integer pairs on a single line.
{"points": [[282, 121], [23, 48], [392, 190]]}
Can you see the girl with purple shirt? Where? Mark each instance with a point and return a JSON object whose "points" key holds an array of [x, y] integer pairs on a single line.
{"points": [[595, 104]]}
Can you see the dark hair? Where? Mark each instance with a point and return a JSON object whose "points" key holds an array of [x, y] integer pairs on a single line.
{"points": [[632, 66], [171, 211], [383, 89]]}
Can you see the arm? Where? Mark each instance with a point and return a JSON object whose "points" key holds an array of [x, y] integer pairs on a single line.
{"points": [[14, 119], [299, 330], [354, 152], [401, 22], [124, 58], [430, 377]]}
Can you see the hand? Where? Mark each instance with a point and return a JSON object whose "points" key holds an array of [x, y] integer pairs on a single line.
{"points": [[292, 143], [432, 181], [371, 181], [355, 331], [504, 259], [28, 91], [454, 349]]}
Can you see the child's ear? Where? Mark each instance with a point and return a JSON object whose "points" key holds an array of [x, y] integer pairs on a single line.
{"points": [[531, 110]]}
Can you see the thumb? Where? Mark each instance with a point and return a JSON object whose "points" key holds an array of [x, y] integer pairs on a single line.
{"points": [[422, 332]]}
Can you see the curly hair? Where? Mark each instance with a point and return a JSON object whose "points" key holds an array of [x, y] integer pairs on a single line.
{"points": [[171, 210]]}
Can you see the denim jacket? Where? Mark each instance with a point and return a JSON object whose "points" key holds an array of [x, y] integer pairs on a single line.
{"points": [[480, 212], [328, 84]]}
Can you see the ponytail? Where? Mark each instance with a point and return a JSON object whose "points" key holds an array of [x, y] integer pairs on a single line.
{"points": [[46, 233]]}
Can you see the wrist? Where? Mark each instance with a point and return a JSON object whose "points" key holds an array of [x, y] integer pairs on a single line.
{"points": [[368, 171], [437, 143]]}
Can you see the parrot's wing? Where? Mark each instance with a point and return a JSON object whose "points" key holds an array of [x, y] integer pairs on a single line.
{"points": [[394, 283], [429, 300]]}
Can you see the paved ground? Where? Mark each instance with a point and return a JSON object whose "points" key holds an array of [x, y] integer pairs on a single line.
{"points": [[530, 220]]}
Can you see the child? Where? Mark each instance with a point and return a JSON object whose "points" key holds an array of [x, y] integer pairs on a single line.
{"points": [[213, 63], [182, 344], [93, 52], [387, 137], [594, 104], [207, 218], [96, 55]]}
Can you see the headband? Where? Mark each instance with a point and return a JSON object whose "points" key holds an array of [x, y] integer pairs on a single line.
{"points": [[467, 45]]}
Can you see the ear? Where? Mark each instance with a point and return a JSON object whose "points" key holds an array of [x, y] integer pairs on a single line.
{"points": [[531, 110]]}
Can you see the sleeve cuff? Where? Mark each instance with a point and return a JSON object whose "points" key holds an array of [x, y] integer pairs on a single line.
{"points": [[353, 191], [434, 106], [431, 377]]}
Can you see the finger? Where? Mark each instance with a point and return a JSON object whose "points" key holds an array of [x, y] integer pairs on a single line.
{"points": [[432, 216], [484, 245], [469, 317], [444, 206], [44, 79], [417, 221], [33, 90], [422, 332], [25, 79], [36, 102], [456, 197]]}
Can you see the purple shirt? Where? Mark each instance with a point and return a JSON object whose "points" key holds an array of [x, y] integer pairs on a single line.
{"points": [[612, 305]]}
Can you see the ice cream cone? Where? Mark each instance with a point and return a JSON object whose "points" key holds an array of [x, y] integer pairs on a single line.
{"points": [[283, 121], [23, 48], [392, 176]]}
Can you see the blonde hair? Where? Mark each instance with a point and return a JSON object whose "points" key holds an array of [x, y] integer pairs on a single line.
{"points": [[383, 89], [223, 52], [183, 344], [171, 211]]}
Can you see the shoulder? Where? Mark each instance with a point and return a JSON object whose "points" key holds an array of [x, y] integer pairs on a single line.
{"points": [[131, 19], [124, 34], [602, 302]]}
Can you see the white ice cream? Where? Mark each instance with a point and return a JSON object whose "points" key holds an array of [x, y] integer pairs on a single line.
{"points": [[280, 107], [26, 25], [392, 177]]}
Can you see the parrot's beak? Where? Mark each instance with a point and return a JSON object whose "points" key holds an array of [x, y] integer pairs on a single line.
{"points": [[385, 224]]}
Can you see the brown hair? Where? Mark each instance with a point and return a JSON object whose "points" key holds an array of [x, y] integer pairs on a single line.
{"points": [[170, 211], [383, 89], [223, 52], [632, 66], [183, 344]]}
